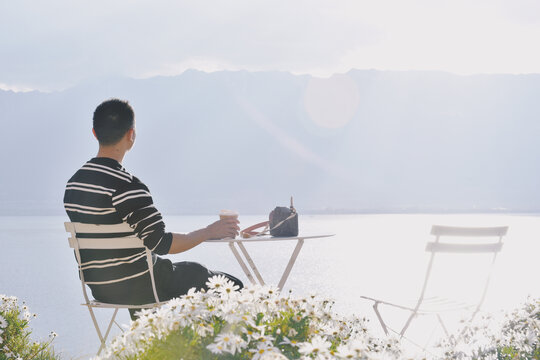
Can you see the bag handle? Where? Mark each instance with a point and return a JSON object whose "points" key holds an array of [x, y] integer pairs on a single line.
{"points": [[250, 231]]}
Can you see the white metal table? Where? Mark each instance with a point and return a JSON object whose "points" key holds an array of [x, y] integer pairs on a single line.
{"points": [[254, 275]]}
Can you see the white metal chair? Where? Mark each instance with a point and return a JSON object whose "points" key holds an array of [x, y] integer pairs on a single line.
{"points": [[94, 238], [436, 305]]}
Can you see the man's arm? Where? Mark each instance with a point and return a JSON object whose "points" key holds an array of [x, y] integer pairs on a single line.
{"points": [[218, 230], [134, 205]]}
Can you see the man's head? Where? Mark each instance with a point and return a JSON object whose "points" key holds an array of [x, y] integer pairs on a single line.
{"points": [[113, 120]]}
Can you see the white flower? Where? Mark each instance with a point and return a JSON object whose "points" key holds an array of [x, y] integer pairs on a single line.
{"points": [[3, 322], [27, 316], [229, 287], [263, 350], [263, 339], [230, 313], [249, 333], [330, 329], [203, 329], [238, 344], [531, 337], [317, 345], [215, 348], [240, 311], [248, 319], [217, 282], [287, 341], [358, 345], [231, 343], [345, 352], [227, 342], [194, 295]]}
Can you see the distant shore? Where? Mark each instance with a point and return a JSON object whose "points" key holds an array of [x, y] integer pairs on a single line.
{"points": [[329, 211]]}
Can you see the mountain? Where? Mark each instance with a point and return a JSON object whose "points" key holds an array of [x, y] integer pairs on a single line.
{"points": [[364, 141]]}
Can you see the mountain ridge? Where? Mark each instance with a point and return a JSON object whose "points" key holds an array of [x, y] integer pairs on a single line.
{"points": [[416, 141]]}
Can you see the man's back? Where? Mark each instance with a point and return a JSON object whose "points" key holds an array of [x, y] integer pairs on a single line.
{"points": [[102, 192]]}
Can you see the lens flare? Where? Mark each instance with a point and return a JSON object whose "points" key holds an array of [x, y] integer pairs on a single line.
{"points": [[331, 103]]}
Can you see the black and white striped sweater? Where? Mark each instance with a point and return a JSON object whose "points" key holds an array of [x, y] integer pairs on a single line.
{"points": [[103, 192]]}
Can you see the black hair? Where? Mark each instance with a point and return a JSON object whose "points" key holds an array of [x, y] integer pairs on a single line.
{"points": [[112, 120]]}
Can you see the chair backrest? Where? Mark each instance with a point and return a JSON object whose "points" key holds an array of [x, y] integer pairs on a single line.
{"points": [[438, 231], [487, 240], [106, 237]]}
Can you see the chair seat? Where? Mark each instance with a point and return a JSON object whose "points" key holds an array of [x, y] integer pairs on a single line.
{"points": [[107, 237], [99, 304], [429, 305]]}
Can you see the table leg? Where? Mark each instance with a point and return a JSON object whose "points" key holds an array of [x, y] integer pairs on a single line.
{"points": [[250, 262], [242, 264], [290, 264]]}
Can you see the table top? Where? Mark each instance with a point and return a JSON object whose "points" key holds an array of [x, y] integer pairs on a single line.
{"points": [[269, 238]]}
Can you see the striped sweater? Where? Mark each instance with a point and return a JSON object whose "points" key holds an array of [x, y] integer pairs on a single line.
{"points": [[103, 192]]}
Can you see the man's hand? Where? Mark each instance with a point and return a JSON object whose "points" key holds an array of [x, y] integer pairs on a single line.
{"points": [[220, 229], [223, 228]]}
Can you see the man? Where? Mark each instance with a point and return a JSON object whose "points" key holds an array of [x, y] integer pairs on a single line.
{"points": [[103, 192]]}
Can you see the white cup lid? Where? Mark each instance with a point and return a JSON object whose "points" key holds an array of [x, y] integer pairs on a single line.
{"points": [[228, 213]]}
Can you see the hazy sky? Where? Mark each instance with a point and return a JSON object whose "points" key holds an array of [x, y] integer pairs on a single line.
{"points": [[57, 43]]}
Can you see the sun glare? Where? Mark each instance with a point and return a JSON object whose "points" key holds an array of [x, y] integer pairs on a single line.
{"points": [[331, 103]]}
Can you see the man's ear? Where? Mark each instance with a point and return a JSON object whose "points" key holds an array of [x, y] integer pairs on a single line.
{"points": [[94, 132], [132, 134]]}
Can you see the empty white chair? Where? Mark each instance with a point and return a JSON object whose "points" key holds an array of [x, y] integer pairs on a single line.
{"points": [[458, 240], [93, 239]]}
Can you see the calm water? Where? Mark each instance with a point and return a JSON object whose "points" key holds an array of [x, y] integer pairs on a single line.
{"points": [[374, 255]]}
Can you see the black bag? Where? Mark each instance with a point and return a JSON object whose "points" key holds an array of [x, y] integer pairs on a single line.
{"points": [[284, 221]]}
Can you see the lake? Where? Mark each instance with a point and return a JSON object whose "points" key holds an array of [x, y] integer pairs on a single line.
{"points": [[373, 255]]}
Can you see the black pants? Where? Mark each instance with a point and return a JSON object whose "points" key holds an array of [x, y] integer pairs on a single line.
{"points": [[186, 275]]}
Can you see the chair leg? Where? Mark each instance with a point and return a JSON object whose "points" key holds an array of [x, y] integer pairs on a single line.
{"points": [[409, 320], [442, 324], [102, 339], [428, 341], [110, 326], [376, 308], [98, 330], [119, 326]]}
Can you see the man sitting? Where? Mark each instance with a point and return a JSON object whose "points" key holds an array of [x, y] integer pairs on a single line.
{"points": [[103, 192]]}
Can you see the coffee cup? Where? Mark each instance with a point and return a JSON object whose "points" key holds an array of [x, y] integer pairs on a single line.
{"points": [[228, 214], [225, 214]]}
